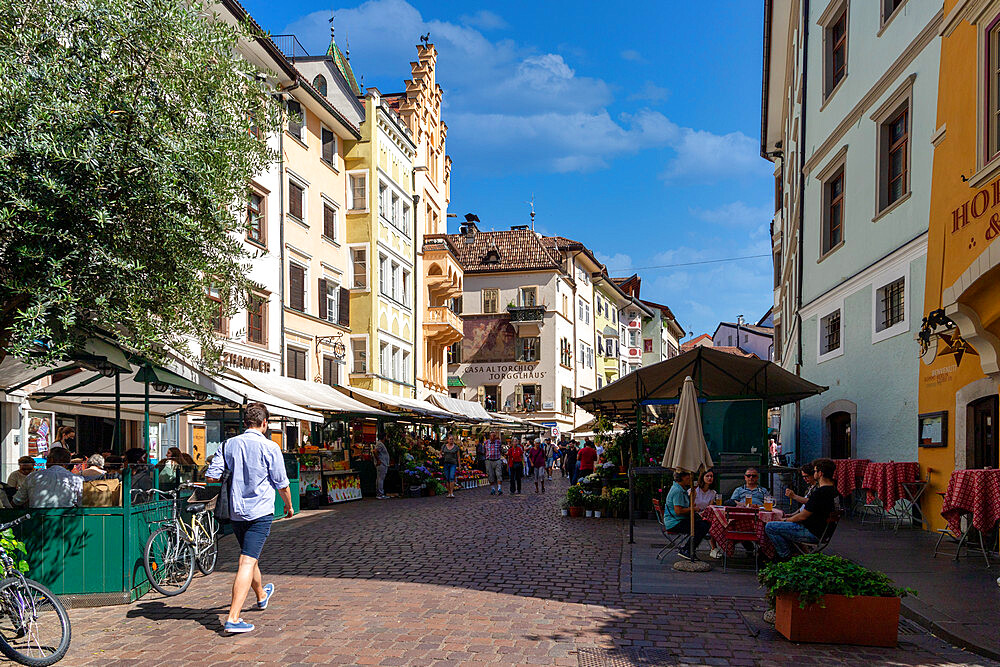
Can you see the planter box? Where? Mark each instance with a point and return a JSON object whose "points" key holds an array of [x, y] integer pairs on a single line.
{"points": [[867, 621], [576, 511]]}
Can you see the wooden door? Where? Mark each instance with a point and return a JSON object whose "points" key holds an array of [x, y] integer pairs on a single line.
{"points": [[983, 415], [840, 435]]}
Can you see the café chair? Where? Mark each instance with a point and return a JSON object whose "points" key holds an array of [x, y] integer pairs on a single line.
{"points": [[960, 540], [674, 540], [873, 508], [824, 540], [736, 531]]}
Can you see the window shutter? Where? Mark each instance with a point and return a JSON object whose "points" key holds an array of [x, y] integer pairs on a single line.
{"points": [[295, 200], [344, 317], [296, 285], [329, 222], [329, 145], [322, 298]]}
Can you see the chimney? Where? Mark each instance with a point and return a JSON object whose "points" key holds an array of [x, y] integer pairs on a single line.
{"points": [[739, 320]]}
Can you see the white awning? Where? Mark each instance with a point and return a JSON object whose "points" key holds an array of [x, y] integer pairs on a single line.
{"points": [[472, 410], [416, 406], [278, 407], [310, 395]]}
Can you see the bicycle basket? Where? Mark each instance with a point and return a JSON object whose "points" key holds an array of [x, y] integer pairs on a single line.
{"points": [[209, 496]]}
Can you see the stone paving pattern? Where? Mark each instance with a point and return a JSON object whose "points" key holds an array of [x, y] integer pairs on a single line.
{"points": [[465, 581]]}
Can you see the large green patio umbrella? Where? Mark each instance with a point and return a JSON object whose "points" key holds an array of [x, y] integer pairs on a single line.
{"points": [[686, 448]]}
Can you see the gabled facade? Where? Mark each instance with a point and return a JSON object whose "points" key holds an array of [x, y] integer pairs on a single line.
{"points": [[752, 338], [661, 335]]}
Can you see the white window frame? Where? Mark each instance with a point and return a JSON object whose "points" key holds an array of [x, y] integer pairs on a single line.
{"points": [[304, 184], [832, 354], [364, 342], [880, 281], [301, 136], [332, 298], [384, 276], [351, 203], [385, 359], [405, 287], [350, 260], [336, 146]]}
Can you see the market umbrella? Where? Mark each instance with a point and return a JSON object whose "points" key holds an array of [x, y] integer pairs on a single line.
{"points": [[686, 448]]}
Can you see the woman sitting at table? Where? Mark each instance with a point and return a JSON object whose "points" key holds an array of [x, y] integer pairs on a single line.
{"points": [[808, 472], [705, 495], [677, 515]]}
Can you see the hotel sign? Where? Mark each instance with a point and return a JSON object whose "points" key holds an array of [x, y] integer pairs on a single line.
{"points": [[981, 204]]}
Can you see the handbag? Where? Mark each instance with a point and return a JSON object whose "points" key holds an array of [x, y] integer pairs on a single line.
{"points": [[222, 505], [102, 493]]}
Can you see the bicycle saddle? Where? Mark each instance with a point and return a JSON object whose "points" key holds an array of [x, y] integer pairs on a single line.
{"points": [[195, 508]]}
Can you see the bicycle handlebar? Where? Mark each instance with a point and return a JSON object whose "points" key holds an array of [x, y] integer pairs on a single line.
{"points": [[165, 494], [13, 523]]}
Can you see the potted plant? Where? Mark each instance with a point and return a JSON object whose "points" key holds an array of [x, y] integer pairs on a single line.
{"points": [[599, 506], [830, 600], [574, 496], [564, 507], [618, 502]]}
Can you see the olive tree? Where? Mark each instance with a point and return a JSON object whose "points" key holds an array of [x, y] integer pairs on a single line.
{"points": [[129, 133]]}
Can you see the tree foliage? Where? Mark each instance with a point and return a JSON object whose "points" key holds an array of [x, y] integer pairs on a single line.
{"points": [[127, 144]]}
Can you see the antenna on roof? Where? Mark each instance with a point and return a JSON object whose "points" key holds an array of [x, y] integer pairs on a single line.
{"points": [[532, 204]]}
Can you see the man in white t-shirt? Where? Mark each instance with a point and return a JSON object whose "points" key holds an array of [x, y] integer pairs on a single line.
{"points": [[55, 486]]}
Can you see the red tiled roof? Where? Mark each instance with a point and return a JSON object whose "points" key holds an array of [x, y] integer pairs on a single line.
{"points": [[694, 342], [518, 250], [734, 350]]}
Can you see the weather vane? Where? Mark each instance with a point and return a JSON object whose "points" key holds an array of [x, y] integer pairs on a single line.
{"points": [[425, 39]]}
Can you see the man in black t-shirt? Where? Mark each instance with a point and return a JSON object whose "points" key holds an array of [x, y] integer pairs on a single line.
{"points": [[808, 524]]}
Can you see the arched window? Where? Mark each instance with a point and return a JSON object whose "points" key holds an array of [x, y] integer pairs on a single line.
{"points": [[319, 83]]}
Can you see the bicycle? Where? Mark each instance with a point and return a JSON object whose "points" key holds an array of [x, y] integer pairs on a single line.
{"points": [[30, 615], [173, 551]]}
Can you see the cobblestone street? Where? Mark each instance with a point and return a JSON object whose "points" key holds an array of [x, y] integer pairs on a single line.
{"points": [[472, 580]]}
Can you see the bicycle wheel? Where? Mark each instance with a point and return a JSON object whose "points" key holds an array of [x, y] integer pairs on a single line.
{"points": [[34, 626], [168, 561], [208, 544]]}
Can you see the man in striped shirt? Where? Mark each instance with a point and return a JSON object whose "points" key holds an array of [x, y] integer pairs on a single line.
{"points": [[494, 463]]}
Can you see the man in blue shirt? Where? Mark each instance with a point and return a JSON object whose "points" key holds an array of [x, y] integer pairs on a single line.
{"points": [[750, 489], [677, 515], [257, 469]]}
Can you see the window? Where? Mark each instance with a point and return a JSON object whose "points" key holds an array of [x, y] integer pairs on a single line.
{"points": [[565, 353], [359, 267], [889, 7], [528, 296], [296, 119], [297, 287], [565, 306], [566, 401], [220, 323], [835, 35], [383, 200], [329, 221], [992, 88], [777, 268], [397, 282], [257, 319], [778, 194], [633, 339], [590, 357], [611, 347], [330, 371], [527, 397], [455, 353], [889, 307], [329, 145], [319, 83], [600, 346], [600, 382], [296, 200], [329, 300], [397, 363], [830, 333], [647, 344], [385, 360], [295, 366], [579, 308], [894, 137], [405, 296], [491, 396], [383, 275], [491, 300], [359, 196], [833, 211], [406, 367], [406, 220], [394, 208], [255, 219], [527, 349], [359, 355]]}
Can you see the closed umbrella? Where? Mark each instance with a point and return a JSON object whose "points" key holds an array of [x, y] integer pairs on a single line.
{"points": [[686, 448]]}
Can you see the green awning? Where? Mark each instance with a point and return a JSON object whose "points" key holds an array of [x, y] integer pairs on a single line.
{"points": [[158, 374], [455, 381]]}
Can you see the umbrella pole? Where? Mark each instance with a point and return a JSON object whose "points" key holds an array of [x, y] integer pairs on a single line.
{"points": [[694, 556]]}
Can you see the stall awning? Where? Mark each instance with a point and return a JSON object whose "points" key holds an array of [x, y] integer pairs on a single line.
{"points": [[717, 375], [473, 411], [510, 421], [278, 407], [455, 381], [398, 404], [310, 395]]}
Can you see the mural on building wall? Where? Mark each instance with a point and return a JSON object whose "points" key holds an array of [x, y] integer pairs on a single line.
{"points": [[488, 339]]}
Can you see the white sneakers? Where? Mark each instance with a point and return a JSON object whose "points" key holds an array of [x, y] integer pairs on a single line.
{"points": [[715, 553]]}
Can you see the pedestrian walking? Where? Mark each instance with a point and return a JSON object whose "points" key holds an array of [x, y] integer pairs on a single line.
{"points": [[586, 458], [481, 454], [449, 461], [381, 468], [493, 455], [550, 457], [536, 456], [256, 468], [515, 464], [569, 461]]}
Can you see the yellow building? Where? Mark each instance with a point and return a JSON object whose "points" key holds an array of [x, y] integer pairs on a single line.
{"points": [[437, 264], [380, 239], [960, 340], [609, 299]]}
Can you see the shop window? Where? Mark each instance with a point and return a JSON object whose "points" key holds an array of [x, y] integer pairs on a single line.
{"points": [[491, 397], [527, 397]]}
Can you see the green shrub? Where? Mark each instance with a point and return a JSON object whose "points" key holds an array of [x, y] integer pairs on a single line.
{"points": [[814, 575], [15, 549], [574, 495], [618, 501]]}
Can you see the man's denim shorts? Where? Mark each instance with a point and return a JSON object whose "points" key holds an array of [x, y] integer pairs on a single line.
{"points": [[252, 534]]}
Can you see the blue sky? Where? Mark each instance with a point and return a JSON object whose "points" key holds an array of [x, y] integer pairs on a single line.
{"points": [[636, 129]]}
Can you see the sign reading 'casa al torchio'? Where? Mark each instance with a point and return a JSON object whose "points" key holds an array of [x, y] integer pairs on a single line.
{"points": [[507, 371]]}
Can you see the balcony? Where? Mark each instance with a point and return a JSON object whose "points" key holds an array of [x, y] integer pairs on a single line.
{"points": [[442, 326], [527, 320]]}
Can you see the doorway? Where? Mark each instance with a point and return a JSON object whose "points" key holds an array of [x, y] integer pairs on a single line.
{"points": [[840, 435], [983, 418]]}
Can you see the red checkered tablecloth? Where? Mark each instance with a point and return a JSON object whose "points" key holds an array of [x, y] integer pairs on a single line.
{"points": [[849, 473], [974, 492], [885, 480], [716, 515]]}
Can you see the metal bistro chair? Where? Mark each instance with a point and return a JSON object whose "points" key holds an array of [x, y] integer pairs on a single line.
{"points": [[673, 539], [824, 540], [961, 540], [741, 514]]}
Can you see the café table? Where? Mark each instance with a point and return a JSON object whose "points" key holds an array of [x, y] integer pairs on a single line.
{"points": [[716, 516], [975, 493], [849, 474], [885, 480]]}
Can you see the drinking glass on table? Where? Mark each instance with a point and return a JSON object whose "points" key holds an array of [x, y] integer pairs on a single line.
{"points": [[768, 503]]}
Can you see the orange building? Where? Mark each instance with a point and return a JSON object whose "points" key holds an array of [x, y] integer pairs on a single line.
{"points": [[960, 339]]}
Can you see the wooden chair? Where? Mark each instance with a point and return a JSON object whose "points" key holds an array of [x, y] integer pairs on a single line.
{"points": [[740, 515], [824, 539], [673, 539]]}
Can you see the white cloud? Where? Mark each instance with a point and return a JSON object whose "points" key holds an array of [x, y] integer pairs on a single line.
{"points": [[632, 55], [734, 214], [484, 19], [704, 156], [618, 264], [650, 92]]}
